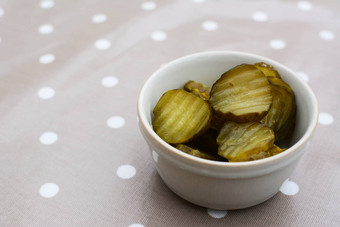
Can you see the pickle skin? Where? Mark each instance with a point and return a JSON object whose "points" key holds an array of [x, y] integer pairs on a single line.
{"points": [[180, 116], [242, 94]]}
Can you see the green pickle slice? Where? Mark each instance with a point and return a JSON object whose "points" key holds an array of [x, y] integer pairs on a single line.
{"points": [[281, 116], [179, 116], [245, 141], [242, 94], [198, 89], [281, 83], [268, 70], [265, 154], [197, 153]]}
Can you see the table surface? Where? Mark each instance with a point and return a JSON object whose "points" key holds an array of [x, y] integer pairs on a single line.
{"points": [[71, 71]]}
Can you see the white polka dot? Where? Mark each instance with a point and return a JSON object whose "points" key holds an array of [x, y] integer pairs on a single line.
{"points": [[136, 225], [325, 118], [155, 156], [289, 188], [304, 5], [48, 138], [47, 59], [126, 171], [326, 35], [2, 12], [198, 1], [109, 81], [217, 213], [49, 190], [102, 44], [277, 44], [304, 76], [260, 16], [148, 5], [115, 122], [158, 36], [46, 29], [46, 93], [209, 25], [99, 18], [0, 39], [46, 4]]}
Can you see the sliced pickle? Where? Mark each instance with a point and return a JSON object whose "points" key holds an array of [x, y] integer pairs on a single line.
{"points": [[242, 94], [281, 116], [268, 70], [243, 142], [281, 83], [197, 153], [275, 150], [265, 154], [179, 116], [198, 89]]}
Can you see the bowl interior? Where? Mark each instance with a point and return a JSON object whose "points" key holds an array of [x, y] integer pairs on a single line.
{"points": [[207, 67]]}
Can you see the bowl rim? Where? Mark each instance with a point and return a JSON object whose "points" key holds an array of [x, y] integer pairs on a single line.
{"points": [[273, 159]]}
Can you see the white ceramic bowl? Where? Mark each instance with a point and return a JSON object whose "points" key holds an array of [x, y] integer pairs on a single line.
{"points": [[213, 184]]}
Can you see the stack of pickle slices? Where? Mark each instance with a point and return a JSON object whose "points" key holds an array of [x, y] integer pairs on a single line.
{"points": [[242, 117]]}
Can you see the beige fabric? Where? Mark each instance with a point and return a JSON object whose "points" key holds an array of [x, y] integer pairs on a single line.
{"points": [[92, 168]]}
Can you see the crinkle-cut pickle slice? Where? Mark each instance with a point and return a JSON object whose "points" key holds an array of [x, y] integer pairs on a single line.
{"points": [[275, 150], [281, 83], [197, 153], [268, 70], [242, 94], [180, 116], [242, 142], [265, 154], [198, 89], [282, 112]]}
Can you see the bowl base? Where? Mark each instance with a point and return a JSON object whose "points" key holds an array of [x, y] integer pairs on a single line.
{"points": [[219, 206]]}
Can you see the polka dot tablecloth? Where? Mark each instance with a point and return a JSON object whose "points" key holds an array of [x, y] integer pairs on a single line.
{"points": [[71, 71]]}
